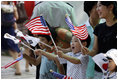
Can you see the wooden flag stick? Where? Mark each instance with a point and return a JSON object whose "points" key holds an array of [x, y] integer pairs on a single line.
{"points": [[50, 35], [66, 15], [80, 43], [53, 43]]}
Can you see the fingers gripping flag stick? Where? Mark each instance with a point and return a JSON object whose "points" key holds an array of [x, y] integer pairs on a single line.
{"points": [[15, 61], [80, 32], [60, 76], [39, 26]]}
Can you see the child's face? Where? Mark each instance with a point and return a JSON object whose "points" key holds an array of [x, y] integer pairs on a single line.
{"points": [[43, 39], [75, 45], [111, 65]]}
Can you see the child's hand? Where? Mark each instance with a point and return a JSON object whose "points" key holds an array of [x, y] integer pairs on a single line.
{"points": [[60, 54], [54, 49], [85, 50], [38, 51]]}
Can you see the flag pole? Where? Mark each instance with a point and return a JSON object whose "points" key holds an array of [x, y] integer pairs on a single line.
{"points": [[80, 43], [50, 32], [27, 46], [53, 43], [45, 44]]}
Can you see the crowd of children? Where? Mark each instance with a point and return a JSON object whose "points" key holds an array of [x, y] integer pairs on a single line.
{"points": [[79, 57]]}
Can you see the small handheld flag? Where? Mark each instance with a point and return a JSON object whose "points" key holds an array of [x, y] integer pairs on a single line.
{"points": [[37, 26], [15, 61], [15, 40], [33, 41], [101, 61], [60, 76], [79, 31], [8, 36]]}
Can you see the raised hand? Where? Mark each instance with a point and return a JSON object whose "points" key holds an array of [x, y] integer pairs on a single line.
{"points": [[85, 50], [38, 51], [60, 54]]}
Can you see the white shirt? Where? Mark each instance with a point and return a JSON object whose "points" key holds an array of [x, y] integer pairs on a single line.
{"points": [[112, 76], [76, 71]]}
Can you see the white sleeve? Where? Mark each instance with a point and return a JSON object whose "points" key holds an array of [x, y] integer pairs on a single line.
{"points": [[61, 60], [84, 59]]}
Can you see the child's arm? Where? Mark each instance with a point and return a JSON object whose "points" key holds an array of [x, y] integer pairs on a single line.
{"points": [[48, 55], [69, 58], [60, 67], [64, 50], [51, 57], [33, 61]]}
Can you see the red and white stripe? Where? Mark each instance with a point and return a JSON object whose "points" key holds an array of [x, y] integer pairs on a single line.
{"points": [[36, 27], [80, 32], [66, 77]]}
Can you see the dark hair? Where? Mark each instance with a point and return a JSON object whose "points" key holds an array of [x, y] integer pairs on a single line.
{"points": [[88, 40], [88, 5], [107, 3], [53, 33], [116, 68]]}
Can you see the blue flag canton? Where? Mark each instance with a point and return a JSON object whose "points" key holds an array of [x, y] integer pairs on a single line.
{"points": [[43, 21], [69, 23]]}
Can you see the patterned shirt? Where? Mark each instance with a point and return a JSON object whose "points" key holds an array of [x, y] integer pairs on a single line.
{"points": [[76, 71], [108, 76]]}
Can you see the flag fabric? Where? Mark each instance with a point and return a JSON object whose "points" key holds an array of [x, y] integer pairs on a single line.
{"points": [[15, 40], [101, 61], [33, 41], [60, 76], [79, 31], [38, 26]]}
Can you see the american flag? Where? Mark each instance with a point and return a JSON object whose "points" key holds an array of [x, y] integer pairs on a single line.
{"points": [[79, 31], [38, 26], [60, 76]]}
